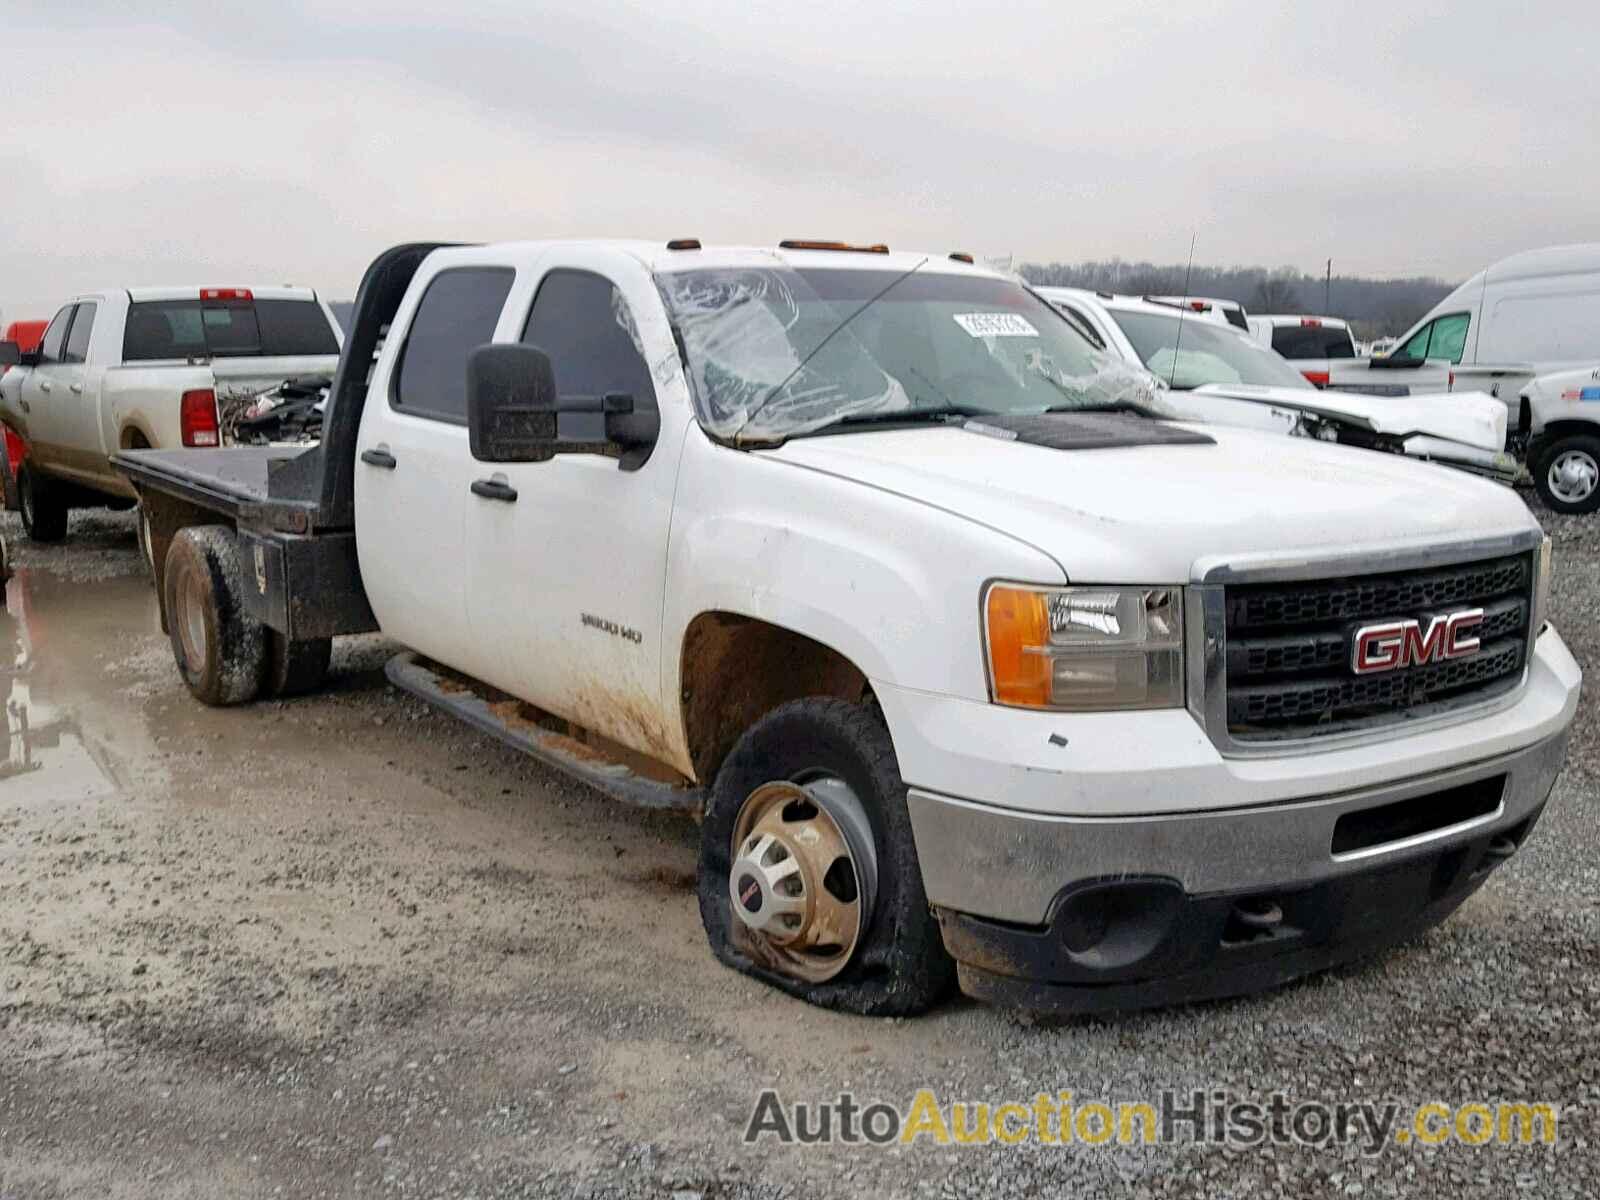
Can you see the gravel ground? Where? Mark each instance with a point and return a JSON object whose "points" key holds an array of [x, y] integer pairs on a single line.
{"points": [[343, 946]]}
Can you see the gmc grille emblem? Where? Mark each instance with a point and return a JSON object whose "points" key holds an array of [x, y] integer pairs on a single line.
{"points": [[1394, 644]]}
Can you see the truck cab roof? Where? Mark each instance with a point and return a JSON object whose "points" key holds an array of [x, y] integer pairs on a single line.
{"points": [[140, 295], [661, 257]]}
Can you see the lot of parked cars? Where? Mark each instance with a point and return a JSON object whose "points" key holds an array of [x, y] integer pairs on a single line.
{"points": [[1076, 648]]}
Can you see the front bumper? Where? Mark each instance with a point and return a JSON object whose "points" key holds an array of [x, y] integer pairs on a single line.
{"points": [[1152, 911], [1491, 464], [1073, 901]]}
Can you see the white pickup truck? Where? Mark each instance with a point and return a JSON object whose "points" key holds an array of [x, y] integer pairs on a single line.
{"points": [[147, 367], [1558, 431], [970, 661], [1216, 374]]}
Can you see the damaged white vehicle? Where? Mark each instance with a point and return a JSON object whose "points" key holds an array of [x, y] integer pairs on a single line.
{"points": [[1213, 374]]}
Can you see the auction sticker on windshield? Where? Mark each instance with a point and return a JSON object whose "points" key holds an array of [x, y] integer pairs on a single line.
{"points": [[982, 325]]}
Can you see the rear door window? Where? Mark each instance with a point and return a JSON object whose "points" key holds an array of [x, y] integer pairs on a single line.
{"points": [[457, 314], [55, 337], [77, 348]]}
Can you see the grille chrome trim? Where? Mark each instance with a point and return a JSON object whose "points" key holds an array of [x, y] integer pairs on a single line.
{"points": [[1206, 643]]}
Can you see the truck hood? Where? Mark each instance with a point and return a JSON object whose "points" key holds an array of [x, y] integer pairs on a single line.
{"points": [[1471, 418], [1583, 383], [1146, 514]]}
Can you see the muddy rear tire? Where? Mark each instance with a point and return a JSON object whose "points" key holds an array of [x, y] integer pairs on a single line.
{"points": [[221, 650], [295, 666], [44, 512], [890, 962]]}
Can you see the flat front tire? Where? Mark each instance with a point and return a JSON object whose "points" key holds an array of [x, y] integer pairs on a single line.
{"points": [[221, 650], [808, 873], [44, 515]]}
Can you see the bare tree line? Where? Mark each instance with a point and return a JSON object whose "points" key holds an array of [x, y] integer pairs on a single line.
{"points": [[1374, 307]]}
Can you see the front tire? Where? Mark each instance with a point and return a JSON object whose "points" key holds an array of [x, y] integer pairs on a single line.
{"points": [[221, 650], [44, 513], [1566, 474], [807, 829]]}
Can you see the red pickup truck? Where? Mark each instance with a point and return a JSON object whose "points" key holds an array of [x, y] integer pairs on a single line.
{"points": [[26, 334]]}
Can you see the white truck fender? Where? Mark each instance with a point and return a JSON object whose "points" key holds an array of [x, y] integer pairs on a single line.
{"points": [[1572, 396], [893, 585]]}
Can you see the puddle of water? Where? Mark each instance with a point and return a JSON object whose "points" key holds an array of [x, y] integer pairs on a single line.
{"points": [[70, 732]]}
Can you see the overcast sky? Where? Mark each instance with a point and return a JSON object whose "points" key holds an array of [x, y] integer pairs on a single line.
{"points": [[214, 142]]}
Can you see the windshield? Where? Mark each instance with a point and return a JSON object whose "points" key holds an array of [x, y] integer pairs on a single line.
{"points": [[776, 352], [1206, 353]]}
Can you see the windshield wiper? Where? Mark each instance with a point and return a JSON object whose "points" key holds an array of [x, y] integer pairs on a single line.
{"points": [[902, 416]]}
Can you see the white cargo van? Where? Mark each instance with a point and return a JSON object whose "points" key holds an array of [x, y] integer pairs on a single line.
{"points": [[1527, 315]]}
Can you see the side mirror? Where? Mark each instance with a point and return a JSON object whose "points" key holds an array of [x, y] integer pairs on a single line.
{"points": [[515, 413], [10, 354]]}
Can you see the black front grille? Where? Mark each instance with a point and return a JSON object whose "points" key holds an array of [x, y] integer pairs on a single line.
{"points": [[1289, 647]]}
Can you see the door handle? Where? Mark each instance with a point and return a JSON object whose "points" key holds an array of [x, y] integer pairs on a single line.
{"points": [[379, 457], [24, 405], [77, 389], [494, 489]]}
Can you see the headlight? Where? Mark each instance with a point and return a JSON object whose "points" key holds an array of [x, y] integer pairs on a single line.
{"points": [[1541, 584], [1085, 649]]}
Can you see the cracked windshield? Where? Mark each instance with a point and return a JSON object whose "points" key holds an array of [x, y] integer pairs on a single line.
{"points": [[777, 352]]}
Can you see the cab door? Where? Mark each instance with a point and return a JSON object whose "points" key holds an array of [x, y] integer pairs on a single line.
{"points": [[44, 394], [413, 467], [568, 556], [78, 410]]}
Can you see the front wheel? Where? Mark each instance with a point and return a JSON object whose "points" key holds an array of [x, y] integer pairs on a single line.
{"points": [[44, 514], [808, 874], [1566, 474]]}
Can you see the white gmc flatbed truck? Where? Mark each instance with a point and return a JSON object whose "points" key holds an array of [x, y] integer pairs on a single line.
{"points": [[971, 664], [136, 368]]}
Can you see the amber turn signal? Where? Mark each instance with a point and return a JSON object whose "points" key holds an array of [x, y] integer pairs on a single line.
{"points": [[1018, 622]]}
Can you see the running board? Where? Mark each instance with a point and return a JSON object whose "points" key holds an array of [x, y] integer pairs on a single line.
{"points": [[514, 724]]}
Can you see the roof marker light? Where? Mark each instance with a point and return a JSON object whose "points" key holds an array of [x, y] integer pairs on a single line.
{"points": [[684, 244], [961, 257]]}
